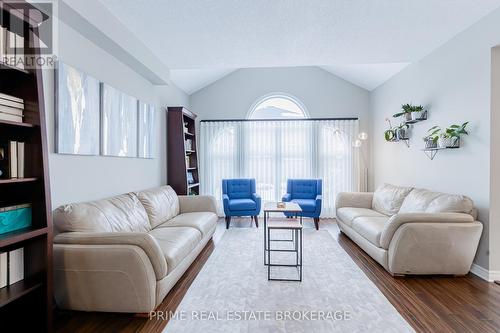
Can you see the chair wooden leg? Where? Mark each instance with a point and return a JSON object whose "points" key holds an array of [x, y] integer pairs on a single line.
{"points": [[316, 223], [256, 218], [228, 221]]}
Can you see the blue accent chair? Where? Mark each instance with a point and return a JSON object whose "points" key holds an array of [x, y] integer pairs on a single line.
{"points": [[307, 193], [240, 199]]}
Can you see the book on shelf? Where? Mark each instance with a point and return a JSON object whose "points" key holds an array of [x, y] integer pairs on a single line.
{"points": [[11, 98], [11, 108], [11, 48], [3, 42], [20, 52], [12, 160], [16, 265], [4, 269]]}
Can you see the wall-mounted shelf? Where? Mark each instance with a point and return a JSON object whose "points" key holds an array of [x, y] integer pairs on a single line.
{"points": [[432, 152], [414, 121], [405, 140]]}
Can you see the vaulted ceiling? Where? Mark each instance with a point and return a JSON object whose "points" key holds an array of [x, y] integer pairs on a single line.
{"points": [[364, 42]]}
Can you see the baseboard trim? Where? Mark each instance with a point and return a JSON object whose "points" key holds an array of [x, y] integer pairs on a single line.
{"points": [[485, 274]]}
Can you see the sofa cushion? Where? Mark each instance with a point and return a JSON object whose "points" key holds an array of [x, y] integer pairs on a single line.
{"points": [[117, 214], [451, 203], [204, 222], [348, 214], [307, 205], [388, 198], [370, 227], [418, 200], [176, 243], [161, 204], [242, 204]]}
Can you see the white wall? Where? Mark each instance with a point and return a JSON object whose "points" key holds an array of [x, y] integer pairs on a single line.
{"points": [[323, 94], [80, 178], [495, 162], [453, 82]]}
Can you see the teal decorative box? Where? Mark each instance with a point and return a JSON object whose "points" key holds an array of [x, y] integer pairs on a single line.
{"points": [[14, 218]]}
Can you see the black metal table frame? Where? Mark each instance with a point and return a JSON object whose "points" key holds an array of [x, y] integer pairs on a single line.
{"points": [[296, 239]]}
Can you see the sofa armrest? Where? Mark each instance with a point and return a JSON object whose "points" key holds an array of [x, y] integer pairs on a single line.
{"points": [[140, 239], [258, 201], [109, 278], [197, 203], [287, 197], [398, 220], [354, 199]]}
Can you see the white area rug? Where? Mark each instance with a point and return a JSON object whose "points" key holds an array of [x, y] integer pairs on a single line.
{"points": [[233, 286]]}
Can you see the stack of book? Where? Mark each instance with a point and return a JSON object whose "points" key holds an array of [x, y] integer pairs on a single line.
{"points": [[11, 108], [12, 160], [11, 48], [11, 267]]}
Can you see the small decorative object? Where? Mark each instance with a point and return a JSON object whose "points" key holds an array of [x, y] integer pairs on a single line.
{"points": [[187, 162], [281, 205], [186, 130], [190, 178], [411, 112], [390, 134], [189, 144]]}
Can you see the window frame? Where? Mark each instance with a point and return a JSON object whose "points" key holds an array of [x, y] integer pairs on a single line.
{"points": [[283, 95]]}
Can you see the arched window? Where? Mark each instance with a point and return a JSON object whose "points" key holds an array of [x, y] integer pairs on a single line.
{"points": [[278, 106]]}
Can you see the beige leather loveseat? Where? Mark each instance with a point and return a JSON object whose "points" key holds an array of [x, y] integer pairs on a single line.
{"points": [[124, 254], [412, 231]]}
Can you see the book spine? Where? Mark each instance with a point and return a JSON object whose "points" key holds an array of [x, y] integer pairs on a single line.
{"points": [[20, 52], [12, 104], [10, 117], [4, 269], [3, 43], [11, 110], [11, 44], [11, 98], [16, 265], [20, 160], [13, 159]]}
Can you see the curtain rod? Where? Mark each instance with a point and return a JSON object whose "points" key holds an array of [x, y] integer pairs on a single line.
{"points": [[248, 120]]}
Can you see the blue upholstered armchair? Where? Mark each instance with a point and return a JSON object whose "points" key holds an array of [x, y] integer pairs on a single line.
{"points": [[307, 194], [240, 199]]}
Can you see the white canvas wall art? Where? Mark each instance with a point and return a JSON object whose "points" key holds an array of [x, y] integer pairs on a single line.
{"points": [[146, 130], [119, 123], [78, 115]]}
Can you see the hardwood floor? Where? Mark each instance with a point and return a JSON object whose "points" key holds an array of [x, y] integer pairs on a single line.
{"points": [[429, 304]]}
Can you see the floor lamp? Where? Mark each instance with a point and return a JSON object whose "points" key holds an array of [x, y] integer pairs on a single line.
{"points": [[358, 143]]}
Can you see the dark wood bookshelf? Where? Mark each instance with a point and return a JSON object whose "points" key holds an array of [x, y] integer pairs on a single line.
{"points": [[27, 305], [179, 118]]}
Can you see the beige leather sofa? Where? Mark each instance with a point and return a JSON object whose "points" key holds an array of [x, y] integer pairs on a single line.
{"points": [[125, 253], [411, 230]]}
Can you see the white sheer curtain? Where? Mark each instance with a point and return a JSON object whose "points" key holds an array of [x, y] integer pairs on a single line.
{"points": [[273, 151]]}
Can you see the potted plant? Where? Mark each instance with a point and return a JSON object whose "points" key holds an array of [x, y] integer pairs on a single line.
{"points": [[418, 112], [390, 134], [432, 137], [411, 112], [402, 131], [406, 112], [450, 137]]}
